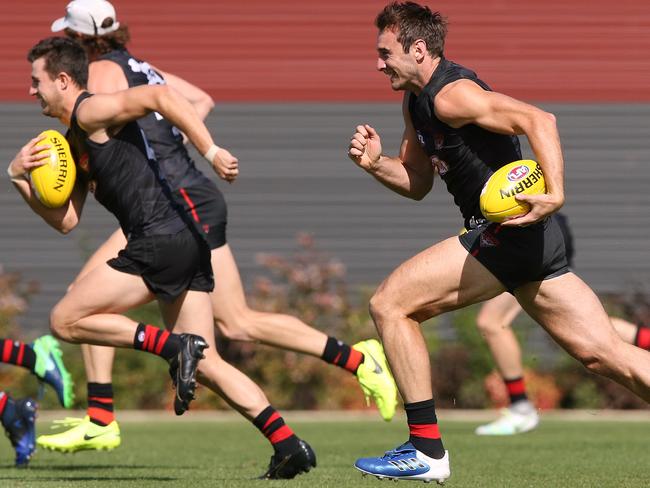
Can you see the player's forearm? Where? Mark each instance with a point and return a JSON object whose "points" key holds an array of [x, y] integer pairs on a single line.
{"points": [[181, 113], [203, 106], [544, 140], [62, 219], [396, 175], [201, 100]]}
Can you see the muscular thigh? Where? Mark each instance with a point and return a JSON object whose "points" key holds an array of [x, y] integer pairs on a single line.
{"points": [[569, 310], [228, 297], [441, 278], [104, 290], [106, 251]]}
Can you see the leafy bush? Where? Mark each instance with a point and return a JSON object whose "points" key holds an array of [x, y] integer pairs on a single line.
{"points": [[312, 285]]}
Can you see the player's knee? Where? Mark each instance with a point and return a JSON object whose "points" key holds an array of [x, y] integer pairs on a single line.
{"points": [[381, 310], [594, 360], [376, 307], [487, 325], [60, 324], [235, 330]]}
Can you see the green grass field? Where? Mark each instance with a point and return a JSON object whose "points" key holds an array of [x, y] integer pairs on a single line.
{"points": [[230, 454]]}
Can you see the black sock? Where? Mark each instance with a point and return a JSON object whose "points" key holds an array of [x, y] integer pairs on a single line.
{"points": [[100, 403], [279, 434], [18, 353], [423, 427], [342, 355], [156, 341]]}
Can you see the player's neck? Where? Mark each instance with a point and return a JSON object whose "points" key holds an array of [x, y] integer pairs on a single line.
{"points": [[425, 72], [68, 105]]}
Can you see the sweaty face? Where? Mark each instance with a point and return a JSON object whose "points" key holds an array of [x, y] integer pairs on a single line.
{"points": [[400, 67], [44, 88]]}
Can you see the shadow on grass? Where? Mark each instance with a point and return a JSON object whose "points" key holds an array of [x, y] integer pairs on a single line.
{"points": [[88, 467], [91, 478]]}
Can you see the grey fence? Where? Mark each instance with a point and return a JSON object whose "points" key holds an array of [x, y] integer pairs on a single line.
{"points": [[295, 177]]}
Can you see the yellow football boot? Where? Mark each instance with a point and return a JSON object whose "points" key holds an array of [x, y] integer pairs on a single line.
{"points": [[83, 436], [375, 378]]}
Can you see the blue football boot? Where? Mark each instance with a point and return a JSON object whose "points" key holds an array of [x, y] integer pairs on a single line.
{"points": [[51, 370], [406, 463], [19, 421]]}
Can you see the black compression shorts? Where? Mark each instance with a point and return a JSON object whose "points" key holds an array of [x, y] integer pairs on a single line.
{"points": [[206, 207], [169, 264], [519, 255]]}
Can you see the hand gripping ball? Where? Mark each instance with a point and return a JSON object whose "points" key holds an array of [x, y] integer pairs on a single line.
{"points": [[498, 201]]}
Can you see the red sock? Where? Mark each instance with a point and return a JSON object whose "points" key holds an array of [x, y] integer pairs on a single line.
{"points": [[18, 353], [156, 341], [342, 355], [516, 389], [272, 425], [423, 428], [100, 403], [642, 337]]}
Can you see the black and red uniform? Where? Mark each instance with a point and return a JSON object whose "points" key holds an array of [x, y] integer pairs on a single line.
{"points": [[194, 191], [163, 246], [465, 158]]}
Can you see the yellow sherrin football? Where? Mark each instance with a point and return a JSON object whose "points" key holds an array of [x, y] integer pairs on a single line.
{"points": [[498, 201], [53, 182]]}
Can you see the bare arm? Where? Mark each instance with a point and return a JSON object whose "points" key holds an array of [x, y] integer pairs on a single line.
{"points": [[106, 77], [102, 113], [64, 218], [200, 100], [410, 174], [464, 102]]}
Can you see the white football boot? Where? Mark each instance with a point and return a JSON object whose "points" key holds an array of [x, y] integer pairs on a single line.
{"points": [[520, 417]]}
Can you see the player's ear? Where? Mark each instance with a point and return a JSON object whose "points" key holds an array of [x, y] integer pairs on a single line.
{"points": [[419, 49], [63, 80]]}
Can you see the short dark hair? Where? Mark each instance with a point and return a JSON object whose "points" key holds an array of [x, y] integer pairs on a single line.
{"points": [[62, 55], [98, 45], [411, 22]]}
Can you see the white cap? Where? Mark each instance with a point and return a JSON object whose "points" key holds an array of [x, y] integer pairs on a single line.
{"points": [[87, 17]]}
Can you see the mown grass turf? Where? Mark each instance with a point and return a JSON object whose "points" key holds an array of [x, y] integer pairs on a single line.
{"points": [[198, 454]]}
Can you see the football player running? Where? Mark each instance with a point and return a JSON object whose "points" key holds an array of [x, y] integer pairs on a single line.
{"points": [[457, 127], [93, 24]]}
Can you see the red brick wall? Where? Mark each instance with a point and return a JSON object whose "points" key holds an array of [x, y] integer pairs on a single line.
{"points": [[289, 50]]}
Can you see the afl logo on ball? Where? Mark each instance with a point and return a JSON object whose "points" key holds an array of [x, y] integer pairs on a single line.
{"points": [[518, 172]]}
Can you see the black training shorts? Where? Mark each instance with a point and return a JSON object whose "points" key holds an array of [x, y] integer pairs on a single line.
{"points": [[206, 207], [519, 255], [568, 236], [169, 264]]}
